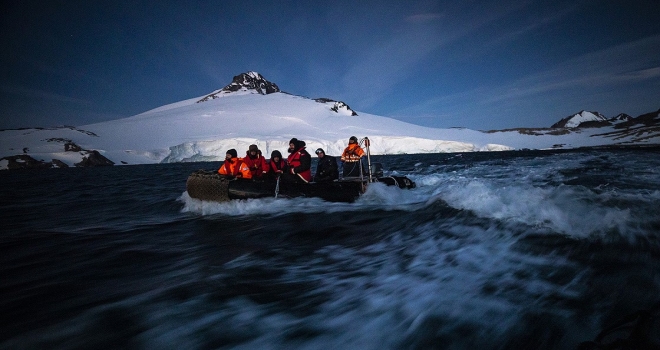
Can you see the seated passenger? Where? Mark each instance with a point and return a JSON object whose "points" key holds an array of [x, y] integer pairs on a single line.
{"points": [[299, 163], [326, 170], [352, 158], [255, 162], [276, 165], [234, 166]]}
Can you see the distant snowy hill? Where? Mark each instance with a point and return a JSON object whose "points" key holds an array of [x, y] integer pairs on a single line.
{"points": [[581, 118], [252, 110], [587, 119]]}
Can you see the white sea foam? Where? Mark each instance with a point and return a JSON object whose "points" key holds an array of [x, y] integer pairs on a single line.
{"points": [[531, 191], [572, 211], [377, 196]]}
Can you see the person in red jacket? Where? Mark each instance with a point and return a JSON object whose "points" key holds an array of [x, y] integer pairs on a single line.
{"points": [[256, 162], [299, 163], [234, 166], [276, 165]]}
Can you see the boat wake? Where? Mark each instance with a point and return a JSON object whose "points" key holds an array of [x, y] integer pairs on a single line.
{"points": [[575, 211], [377, 196]]}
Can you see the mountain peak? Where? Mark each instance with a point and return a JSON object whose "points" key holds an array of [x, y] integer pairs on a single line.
{"points": [[583, 118], [621, 117], [251, 82], [254, 83]]}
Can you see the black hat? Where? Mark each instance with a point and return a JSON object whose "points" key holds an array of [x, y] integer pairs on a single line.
{"points": [[275, 153], [319, 150], [253, 148], [233, 153], [297, 143], [353, 138]]}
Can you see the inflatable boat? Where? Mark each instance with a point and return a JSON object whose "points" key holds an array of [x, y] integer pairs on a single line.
{"points": [[211, 186]]}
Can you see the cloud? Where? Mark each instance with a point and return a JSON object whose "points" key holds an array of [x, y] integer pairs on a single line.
{"points": [[385, 64], [536, 23], [378, 68], [640, 75], [632, 62], [607, 78]]}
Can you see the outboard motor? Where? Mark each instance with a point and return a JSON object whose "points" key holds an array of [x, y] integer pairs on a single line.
{"points": [[377, 169], [399, 181]]}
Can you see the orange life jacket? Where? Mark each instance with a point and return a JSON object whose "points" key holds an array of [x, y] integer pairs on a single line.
{"points": [[235, 168], [352, 153]]}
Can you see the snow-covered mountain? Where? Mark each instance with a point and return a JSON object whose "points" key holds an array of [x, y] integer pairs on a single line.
{"points": [[586, 119], [578, 119], [252, 110], [621, 117], [250, 82]]}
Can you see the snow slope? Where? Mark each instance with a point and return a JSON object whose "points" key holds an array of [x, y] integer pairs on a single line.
{"points": [[202, 131], [205, 130]]}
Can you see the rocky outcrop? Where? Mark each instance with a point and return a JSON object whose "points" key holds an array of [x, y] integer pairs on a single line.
{"points": [[94, 159], [91, 158], [337, 106], [250, 81], [648, 119], [622, 117], [24, 161], [640, 129], [59, 164], [72, 147]]}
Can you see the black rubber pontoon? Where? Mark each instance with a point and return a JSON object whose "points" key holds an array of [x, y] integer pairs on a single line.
{"points": [[211, 186]]}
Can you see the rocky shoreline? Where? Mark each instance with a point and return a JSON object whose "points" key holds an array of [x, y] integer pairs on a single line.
{"points": [[91, 158]]}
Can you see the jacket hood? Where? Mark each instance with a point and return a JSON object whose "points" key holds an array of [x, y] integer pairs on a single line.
{"points": [[297, 144]]}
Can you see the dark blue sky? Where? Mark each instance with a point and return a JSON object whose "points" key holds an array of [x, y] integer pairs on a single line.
{"points": [[476, 64]]}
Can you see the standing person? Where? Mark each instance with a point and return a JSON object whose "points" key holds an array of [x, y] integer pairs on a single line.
{"points": [[256, 162], [326, 170], [276, 165], [352, 158], [299, 163], [234, 166]]}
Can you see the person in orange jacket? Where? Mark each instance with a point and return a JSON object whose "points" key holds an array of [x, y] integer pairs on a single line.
{"points": [[352, 158], [234, 166], [256, 162]]}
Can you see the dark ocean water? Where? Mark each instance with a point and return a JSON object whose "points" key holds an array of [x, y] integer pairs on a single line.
{"points": [[502, 250]]}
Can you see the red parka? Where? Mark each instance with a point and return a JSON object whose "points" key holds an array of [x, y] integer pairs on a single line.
{"points": [[300, 163], [257, 165]]}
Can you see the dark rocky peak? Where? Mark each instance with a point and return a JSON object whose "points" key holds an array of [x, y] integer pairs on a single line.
{"points": [[94, 159], [337, 106], [651, 119], [621, 117], [250, 81]]}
